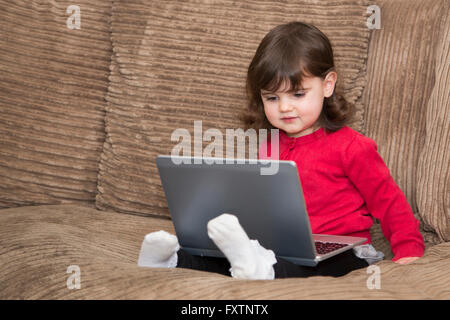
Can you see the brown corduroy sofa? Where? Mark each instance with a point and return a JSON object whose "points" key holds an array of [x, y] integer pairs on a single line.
{"points": [[85, 109]]}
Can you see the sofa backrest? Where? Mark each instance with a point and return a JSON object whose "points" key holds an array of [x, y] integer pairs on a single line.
{"points": [[53, 80], [407, 104], [184, 62]]}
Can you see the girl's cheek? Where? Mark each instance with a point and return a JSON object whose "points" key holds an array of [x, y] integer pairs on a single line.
{"points": [[270, 113]]}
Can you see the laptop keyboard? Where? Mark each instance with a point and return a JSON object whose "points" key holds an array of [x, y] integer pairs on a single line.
{"points": [[327, 247]]}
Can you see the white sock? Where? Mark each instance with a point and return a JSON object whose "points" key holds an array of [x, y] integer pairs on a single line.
{"points": [[159, 250], [248, 259]]}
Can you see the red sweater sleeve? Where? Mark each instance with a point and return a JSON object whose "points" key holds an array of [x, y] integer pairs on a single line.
{"points": [[384, 199]]}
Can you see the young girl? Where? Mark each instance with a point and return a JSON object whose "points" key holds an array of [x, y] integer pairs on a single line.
{"points": [[291, 87]]}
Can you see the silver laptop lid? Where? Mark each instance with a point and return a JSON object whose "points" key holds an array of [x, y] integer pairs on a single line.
{"points": [[270, 208]]}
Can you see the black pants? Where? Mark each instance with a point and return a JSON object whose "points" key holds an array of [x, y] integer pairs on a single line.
{"points": [[336, 266]]}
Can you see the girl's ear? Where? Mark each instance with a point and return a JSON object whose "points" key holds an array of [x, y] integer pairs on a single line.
{"points": [[329, 84]]}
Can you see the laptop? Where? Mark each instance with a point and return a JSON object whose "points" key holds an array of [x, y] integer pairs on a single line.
{"points": [[270, 207]]}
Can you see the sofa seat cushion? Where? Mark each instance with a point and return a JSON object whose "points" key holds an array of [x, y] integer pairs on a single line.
{"points": [[39, 243]]}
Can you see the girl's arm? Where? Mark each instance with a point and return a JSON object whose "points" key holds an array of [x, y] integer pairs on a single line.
{"points": [[384, 199]]}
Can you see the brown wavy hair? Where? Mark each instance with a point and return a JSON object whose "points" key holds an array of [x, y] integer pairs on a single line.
{"points": [[290, 52]]}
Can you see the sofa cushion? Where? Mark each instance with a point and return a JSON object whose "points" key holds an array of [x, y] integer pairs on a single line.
{"points": [[178, 62], [433, 172], [404, 96], [53, 82], [40, 243]]}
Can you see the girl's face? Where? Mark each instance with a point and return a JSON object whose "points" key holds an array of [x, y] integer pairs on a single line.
{"points": [[296, 113]]}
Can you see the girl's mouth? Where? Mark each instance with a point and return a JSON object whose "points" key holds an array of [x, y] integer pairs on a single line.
{"points": [[289, 119]]}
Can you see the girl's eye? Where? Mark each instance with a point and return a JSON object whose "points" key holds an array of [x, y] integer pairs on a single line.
{"points": [[297, 95]]}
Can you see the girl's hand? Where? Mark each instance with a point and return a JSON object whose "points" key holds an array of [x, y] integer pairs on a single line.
{"points": [[406, 260]]}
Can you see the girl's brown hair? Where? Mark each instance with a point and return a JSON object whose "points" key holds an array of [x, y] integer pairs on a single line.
{"points": [[290, 52]]}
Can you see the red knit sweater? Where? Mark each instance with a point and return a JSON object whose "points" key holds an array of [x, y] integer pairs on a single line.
{"points": [[345, 183]]}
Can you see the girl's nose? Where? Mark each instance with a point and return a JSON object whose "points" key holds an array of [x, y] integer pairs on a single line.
{"points": [[284, 105]]}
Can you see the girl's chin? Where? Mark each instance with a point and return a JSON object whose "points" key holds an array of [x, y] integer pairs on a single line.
{"points": [[298, 133]]}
